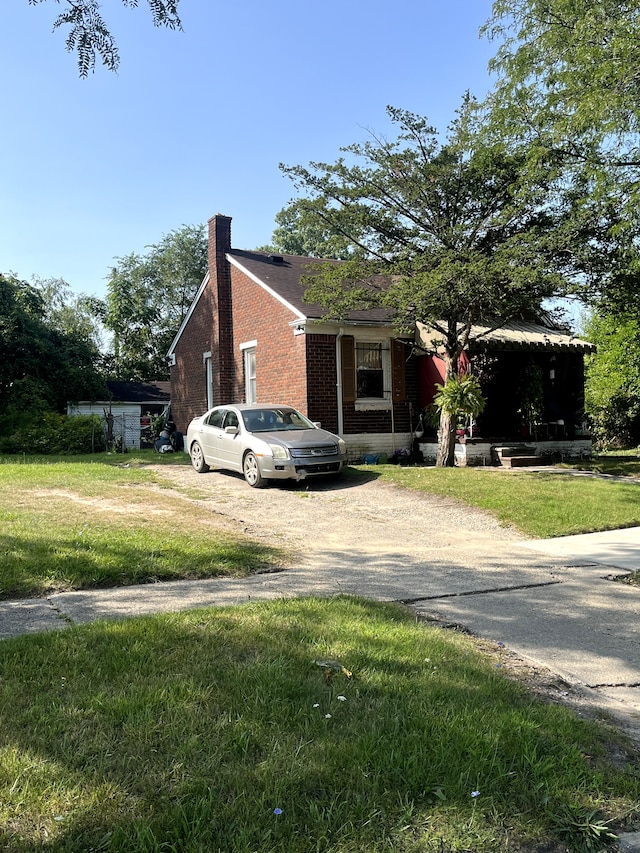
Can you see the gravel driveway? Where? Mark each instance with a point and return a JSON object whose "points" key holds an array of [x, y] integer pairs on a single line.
{"points": [[361, 536]]}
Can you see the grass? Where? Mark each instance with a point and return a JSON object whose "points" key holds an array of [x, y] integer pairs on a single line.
{"points": [[189, 732], [108, 520], [73, 524], [624, 465], [216, 731], [541, 504]]}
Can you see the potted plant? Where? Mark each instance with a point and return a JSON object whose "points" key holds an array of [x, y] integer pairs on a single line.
{"points": [[461, 398]]}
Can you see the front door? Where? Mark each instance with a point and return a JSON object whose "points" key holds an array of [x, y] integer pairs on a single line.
{"points": [[229, 448], [210, 437]]}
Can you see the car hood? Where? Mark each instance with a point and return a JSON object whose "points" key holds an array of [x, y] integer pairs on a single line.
{"points": [[299, 437]]}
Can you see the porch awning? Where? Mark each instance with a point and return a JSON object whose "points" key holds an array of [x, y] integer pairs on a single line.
{"points": [[511, 336]]}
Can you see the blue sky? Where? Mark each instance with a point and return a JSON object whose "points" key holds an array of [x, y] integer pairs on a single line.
{"points": [[196, 122]]}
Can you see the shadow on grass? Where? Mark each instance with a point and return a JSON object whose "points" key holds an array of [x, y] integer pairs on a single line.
{"points": [[34, 567], [185, 732]]}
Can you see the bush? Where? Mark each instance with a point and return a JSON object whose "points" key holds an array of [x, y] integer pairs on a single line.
{"points": [[56, 434], [617, 425]]}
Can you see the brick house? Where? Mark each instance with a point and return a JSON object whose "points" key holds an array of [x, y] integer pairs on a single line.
{"points": [[249, 336]]}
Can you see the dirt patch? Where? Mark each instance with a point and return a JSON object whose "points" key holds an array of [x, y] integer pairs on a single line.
{"points": [[100, 504]]}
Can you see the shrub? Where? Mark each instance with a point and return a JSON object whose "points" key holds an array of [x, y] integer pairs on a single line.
{"points": [[617, 425], [56, 434]]}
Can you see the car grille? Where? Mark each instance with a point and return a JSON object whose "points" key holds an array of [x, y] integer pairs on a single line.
{"points": [[313, 452], [322, 468]]}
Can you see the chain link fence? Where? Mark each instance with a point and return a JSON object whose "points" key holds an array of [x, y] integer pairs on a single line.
{"points": [[126, 431]]}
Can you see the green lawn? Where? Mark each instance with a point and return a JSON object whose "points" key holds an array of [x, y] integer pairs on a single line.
{"points": [[539, 504], [79, 523], [215, 730]]}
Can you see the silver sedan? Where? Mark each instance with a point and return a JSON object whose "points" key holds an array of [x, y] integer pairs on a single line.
{"points": [[264, 443]]}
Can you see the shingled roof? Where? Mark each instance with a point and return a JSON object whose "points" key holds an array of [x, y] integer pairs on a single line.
{"points": [[282, 275], [139, 392]]}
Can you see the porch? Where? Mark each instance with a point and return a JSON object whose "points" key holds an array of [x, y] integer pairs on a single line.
{"points": [[470, 452]]}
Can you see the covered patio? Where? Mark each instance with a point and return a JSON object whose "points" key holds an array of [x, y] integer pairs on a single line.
{"points": [[532, 377]]}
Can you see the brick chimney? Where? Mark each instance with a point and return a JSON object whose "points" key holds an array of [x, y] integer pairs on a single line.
{"points": [[220, 277]]}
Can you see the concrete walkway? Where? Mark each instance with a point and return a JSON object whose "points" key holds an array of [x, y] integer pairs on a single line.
{"points": [[585, 626], [565, 613]]}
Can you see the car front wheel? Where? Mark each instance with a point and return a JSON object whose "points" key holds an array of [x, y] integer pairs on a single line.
{"points": [[252, 473], [197, 458]]}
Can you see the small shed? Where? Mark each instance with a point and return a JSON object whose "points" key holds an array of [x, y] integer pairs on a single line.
{"points": [[129, 411]]}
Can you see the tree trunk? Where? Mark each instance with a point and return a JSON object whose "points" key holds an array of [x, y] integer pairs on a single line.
{"points": [[448, 421], [446, 441]]}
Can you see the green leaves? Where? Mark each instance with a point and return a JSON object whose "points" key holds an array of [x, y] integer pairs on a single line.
{"points": [[569, 65], [89, 36], [459, 229], [460, 396], [612, 390], [148, 296], [568, 90], [45, 358]]}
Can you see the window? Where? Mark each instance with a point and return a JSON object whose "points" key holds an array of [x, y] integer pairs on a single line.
{"points": [[231, 420], [215, 418], [369, 371], [249, 355], [372, 372], [208, 378]]}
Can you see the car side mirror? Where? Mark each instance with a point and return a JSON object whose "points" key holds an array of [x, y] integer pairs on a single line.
{"points": [[231, 430], [317, 424]]}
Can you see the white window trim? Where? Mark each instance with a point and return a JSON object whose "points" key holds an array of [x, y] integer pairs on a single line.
{"points": [[206, 360], [372, 404], [250, 393]]}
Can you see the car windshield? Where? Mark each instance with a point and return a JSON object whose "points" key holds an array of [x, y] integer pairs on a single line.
{"points": [[274, 419]]}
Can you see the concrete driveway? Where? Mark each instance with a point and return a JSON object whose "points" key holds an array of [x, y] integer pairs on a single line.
{"points": [[585, 627]]}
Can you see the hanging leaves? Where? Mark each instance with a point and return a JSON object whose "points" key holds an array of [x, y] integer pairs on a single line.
{"points": [[89, 36]]}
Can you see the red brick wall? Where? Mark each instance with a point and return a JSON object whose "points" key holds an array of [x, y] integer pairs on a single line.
{"points": [[405, 412], [220, 270], [188, 375], [280, 355], [322, 380]]}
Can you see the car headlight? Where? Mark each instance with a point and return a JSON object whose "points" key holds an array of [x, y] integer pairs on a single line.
{"points": [[279, 452], [342, 445]]}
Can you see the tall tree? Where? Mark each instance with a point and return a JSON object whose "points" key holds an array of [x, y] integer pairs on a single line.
{"points": [[568, 84], [612, 388], [89, 35], [41, 365], [567, 73], [72, 313], [302, 229], [461, 231], [148, 297]]}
